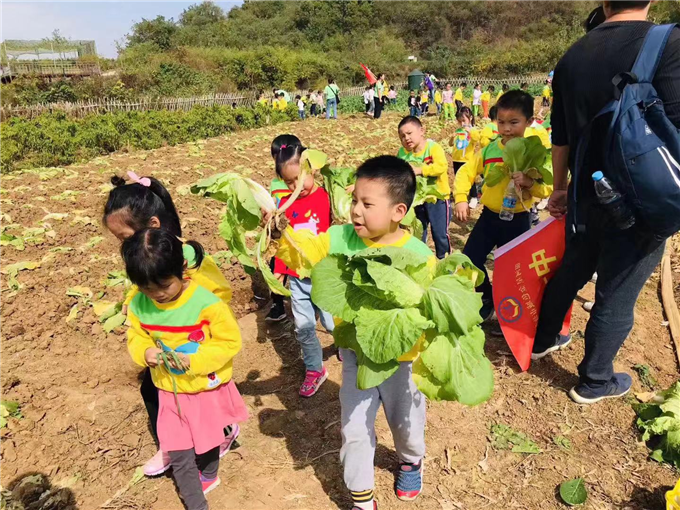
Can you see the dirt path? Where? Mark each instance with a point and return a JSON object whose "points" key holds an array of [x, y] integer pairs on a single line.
{"points": [[84, 425]]}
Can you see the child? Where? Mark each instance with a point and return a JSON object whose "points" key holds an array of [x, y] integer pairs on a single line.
{"points": [[447, 97], [301, 107], [262, 101], [283, 104], [504, 89], [312, 101], [476, 100], [438, 100], [319, 102], [311, 211], [384, 191], [427, 158], [515, 114], [524, 87], [464, 144], [174, 314], [145, 203], [279, 190], [545, 101], [486, 100], [414, 104], [392, 95], [424, 98], [458, 97], [367, 99], [490, 130]]}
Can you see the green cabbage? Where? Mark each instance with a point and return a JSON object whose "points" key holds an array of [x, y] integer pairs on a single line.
{"points": [[659, 421], [526, 155]]}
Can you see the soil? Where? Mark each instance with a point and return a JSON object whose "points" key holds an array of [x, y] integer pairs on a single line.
{"points": [[84, 426]]}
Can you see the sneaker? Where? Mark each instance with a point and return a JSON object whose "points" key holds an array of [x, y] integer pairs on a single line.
{"points": [[375, 506], [588, 306], [542, 204], [229, 439], [487, 312], [157, 464], [585, 394], [474, 202], [276, 313], [208, 485], [409, 481], [313, 381], [561, 342]]}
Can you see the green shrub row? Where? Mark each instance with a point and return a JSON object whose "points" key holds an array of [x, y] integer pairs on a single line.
{"points": [[54, 139]]}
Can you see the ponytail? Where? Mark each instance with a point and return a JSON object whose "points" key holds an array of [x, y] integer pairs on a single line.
{"points": [[287, 154], [143, 199], [199, 253]]}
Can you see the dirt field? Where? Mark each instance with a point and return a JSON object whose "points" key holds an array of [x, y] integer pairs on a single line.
{"points": [[84, 425]]}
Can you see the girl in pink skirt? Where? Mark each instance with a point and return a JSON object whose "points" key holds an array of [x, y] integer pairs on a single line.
{"points": [[188, 337]]}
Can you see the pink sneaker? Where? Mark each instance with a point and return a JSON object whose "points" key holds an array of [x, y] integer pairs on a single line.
{"points": [[229, 440], [209, 485], [157, 464], [313, 381]]}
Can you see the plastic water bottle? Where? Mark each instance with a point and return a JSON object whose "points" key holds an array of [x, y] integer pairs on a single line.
{"points": [[509, 202], [613, 202]]}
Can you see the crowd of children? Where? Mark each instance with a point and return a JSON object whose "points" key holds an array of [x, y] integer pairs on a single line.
{"points": [[182, 331]]}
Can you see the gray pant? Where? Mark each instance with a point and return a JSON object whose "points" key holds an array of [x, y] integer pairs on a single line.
{"points": [[404, 408], [304, 313], [185, 466]]}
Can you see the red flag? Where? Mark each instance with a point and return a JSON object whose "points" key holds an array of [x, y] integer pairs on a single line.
{"points": [[369, 75], [522, 269]]}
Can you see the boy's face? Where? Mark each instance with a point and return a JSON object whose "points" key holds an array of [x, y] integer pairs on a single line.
{"points": [[511, 124], [448, 87], [411, 135], [373, 211]]}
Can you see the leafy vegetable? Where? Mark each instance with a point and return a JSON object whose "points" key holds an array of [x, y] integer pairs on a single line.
{"points": [[659, 421], [562, 442], [8, 409], [646, 377], [574, 492], [245, 200], [506, 438], [336, 181], [394, 301], [526, 155], [426, 191]]}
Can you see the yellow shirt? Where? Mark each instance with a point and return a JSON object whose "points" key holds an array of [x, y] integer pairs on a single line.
{"points": [[464, 154], [317, 247], [435, 164], [539, 131], [489, 132], [198, 325], [492, 196], [438, 97], [499, 95], [262, 101], [424, 97], [546, 92], [458, 96], [486, 96]]}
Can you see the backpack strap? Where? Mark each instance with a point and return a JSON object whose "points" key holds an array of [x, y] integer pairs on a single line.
{"points": [[650, 53]]}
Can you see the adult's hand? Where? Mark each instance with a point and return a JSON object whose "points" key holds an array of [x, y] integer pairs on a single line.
{"points": [[557, 204]]}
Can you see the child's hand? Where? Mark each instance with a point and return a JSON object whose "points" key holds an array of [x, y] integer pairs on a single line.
{"points": [[266, 216], [462, 211], [186, 362], [522, 180], [151, 356], [417, 170]]}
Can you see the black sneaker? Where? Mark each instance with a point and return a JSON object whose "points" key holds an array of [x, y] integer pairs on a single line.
{"points": [[561, 342], [584, 393], [276, 313], [487, 312]]}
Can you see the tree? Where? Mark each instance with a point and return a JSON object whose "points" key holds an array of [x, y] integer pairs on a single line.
{"points": [[206, 13], [158, 31]]}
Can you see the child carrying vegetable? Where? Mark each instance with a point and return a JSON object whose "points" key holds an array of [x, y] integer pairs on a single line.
{"points": [[515, 114], [145, 203], [427, 158], [279, 190], [384, 191], [464, 143], [188, 338], [311, 211]]}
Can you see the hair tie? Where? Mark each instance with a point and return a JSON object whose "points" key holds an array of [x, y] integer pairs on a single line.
{"points": [[144, 181], [283, 146]]}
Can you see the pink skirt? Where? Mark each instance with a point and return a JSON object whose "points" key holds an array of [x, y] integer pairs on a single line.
{"points": [[204, 417]]}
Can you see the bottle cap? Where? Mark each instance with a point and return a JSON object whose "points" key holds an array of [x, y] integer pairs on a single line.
{"points": [[597, 176]]}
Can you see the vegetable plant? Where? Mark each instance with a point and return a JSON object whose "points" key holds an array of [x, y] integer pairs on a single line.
{"points": [[335, 182], [659, 421], [393, 301], [526, 155], [248, 206]]}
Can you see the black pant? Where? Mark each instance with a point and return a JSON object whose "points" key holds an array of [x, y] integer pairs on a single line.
{"points": [[150, 397], [459, 105], [277, 299], [185, 470], [378, 107], [457, 165], [624, 260], [490, 231], [312, 110]]}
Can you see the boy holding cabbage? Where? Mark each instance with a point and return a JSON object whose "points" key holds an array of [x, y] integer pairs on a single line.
{"points": [[515, 111]]}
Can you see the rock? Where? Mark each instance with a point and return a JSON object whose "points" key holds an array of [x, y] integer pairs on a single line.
{"points": [[17, 330], [92, 383], [96, 330], [51, 395], [130, 440], [8, 452]]}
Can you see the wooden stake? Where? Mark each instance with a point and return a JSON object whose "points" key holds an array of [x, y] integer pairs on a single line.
{"points": [[668, 300]]}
